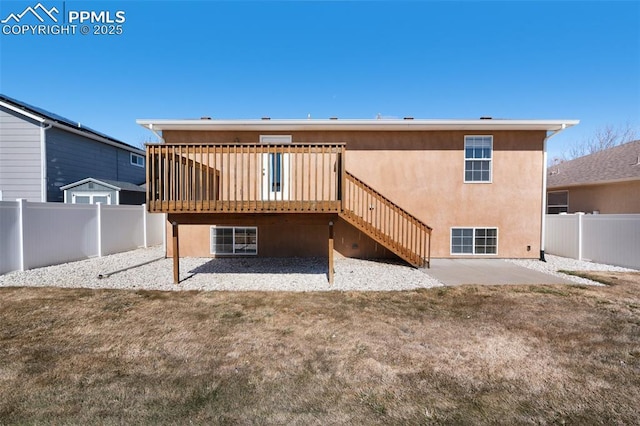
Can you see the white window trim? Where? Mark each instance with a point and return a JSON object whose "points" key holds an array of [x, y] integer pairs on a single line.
{"points": [[474, 244], [490, 160], [135, 163], [276, 139], [212, 245]]}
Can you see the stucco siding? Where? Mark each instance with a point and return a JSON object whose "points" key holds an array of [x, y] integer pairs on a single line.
{"points": [[20, 167], [613, 198], [290, 235], [423, 172], [71, 158]]}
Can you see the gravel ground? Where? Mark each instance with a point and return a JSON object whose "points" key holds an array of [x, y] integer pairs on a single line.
{"points": [[149, 270], [262, 274], [554, 264]]}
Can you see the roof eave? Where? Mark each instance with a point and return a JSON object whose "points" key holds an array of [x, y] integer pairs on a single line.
{"points": [[331, 124], [594, 183], [85, 180], [43, 120]]}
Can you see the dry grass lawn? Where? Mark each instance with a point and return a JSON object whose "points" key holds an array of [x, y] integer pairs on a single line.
{"points": [[474, 354]]}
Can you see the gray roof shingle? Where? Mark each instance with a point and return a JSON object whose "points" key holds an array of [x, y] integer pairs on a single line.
{"points": [[619, 163]]}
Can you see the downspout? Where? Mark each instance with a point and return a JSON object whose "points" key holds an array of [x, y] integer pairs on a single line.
{"points": [[543, 222], [43, 160]]}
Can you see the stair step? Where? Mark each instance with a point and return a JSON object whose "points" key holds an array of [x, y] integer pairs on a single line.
{"points": [[360, 193]]}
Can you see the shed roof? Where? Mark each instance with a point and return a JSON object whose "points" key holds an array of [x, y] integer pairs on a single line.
{"points": [[113, 184], [49, 117], [618, 164]]}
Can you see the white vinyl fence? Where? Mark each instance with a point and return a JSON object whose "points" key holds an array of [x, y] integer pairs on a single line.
{"points": [[603, 238], [33, 235]]}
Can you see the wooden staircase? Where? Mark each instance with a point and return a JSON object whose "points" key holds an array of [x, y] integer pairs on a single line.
{"points": [[385, 222]]}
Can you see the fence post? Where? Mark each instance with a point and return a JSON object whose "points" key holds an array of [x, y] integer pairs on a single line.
{"points": [[330, 275], [21, 208], [99, 219], [144, 225], [580, 216], [164, 233]]}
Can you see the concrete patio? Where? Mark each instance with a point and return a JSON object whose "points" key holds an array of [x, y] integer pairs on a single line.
{"points": [[487, 271]]}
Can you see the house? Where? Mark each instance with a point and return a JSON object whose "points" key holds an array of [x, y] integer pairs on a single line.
{"points": [[92, 191], [410, 188], [605, 182], [40, 152]]}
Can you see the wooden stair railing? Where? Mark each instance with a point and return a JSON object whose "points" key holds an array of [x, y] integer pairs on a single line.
{"points": [[385, 222]]}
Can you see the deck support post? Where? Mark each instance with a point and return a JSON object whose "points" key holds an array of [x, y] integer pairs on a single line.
{"points": [[331, 252], [176, 254]]}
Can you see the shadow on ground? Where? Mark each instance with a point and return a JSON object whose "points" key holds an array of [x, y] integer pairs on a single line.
{"points": [[264, 265]]}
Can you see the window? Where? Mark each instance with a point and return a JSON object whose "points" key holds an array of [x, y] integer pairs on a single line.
{"points": [[234, 240], [474, 241], [557, 202], [275, 139], [137, 160], [91, 198], [478, 152], [275, 172]]}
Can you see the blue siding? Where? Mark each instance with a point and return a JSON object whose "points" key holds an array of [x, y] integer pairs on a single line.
{"points": [[72, 157], [20, 172]]}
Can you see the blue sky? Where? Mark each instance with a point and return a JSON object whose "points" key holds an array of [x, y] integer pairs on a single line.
{"points": [[454, 59]]}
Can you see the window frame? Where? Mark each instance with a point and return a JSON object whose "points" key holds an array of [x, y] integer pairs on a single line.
{"points": [[92, 196], [566, 206], [234, 229], [474, 236], [136, 156], [487, 160], [276, 139]]}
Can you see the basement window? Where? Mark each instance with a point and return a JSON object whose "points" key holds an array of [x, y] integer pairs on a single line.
{"points": [[137, 160], [234, 240], [474, 240]]}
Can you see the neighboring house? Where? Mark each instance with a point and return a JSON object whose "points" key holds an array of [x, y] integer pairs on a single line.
{"points": [[41, 151], [92, 191], [604, 182], [411, 188]]}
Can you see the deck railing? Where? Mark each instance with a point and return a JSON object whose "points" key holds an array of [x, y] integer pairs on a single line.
{"points": [[386, 222], [235, 177]]}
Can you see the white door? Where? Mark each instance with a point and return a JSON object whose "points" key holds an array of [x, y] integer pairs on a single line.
{"points": [[275, 176], [275, 169]]}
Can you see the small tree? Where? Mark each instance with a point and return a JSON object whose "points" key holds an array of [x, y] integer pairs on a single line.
{"points": [[604, 138]]}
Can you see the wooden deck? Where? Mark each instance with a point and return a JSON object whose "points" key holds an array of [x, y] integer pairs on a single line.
{"points": [[249, 178], [284, 178]]}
